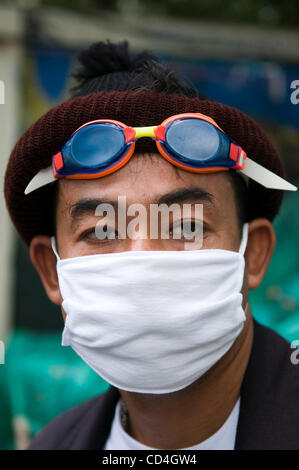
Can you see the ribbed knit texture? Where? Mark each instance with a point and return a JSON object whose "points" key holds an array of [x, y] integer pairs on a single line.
{"points": [[34, 149]]}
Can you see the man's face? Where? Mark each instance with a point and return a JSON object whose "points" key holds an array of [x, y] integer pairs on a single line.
{"points": [[145, 180]]}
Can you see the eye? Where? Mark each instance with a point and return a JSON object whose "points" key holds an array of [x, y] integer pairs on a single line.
{"points": [[100, 233], [186, 228], [105, 232]]}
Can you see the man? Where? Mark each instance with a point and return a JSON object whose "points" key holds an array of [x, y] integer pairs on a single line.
{"points": [[168, 324]]}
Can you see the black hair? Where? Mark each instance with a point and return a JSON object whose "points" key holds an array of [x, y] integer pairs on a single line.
{"points": [[106, 66]]}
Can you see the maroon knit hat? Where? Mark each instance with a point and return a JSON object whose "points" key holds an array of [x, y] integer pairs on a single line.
{"points": [[32, 213]]}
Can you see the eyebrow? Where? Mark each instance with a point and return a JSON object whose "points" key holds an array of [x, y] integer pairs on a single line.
{"points": [[87, 206], [187, 194]]}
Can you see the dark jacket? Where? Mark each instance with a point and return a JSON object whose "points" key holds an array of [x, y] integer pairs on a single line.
{"points": [[269, 408]]}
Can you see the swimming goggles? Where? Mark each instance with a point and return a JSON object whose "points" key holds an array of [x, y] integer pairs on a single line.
{"points": [[193, 142]]}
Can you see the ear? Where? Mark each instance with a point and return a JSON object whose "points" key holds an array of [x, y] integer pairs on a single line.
{"points": [[44, 260], [259, 250]]}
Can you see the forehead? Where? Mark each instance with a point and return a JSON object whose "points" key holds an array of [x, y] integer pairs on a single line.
{"points": [[146, 177]]}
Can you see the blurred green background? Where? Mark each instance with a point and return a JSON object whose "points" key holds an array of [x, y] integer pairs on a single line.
{"points": [[242, 53]]}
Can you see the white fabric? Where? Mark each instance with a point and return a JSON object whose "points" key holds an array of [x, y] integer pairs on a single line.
{"points": [[42, 178], [265, 177], [153, 321], [223, 439]]}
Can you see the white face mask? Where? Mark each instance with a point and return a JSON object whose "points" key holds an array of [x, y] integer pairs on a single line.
{"points": [[152, 321]]}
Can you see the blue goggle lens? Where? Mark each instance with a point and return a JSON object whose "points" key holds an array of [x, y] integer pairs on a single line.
{"points": [[193, 140], [97, 145]]}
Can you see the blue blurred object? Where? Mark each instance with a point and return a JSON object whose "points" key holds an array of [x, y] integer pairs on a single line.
{"points": [[260, 88]]}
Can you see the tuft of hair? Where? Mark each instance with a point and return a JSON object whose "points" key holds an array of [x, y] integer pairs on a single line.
{"points": [[107, 66]]}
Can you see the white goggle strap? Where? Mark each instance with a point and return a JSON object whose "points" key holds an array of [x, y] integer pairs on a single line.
{"points": [[265, 177], [243, 244], [54, 248], [42, 178], [252, 170]]}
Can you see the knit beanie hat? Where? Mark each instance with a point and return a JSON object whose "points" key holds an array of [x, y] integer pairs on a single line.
{"points": [[137, 91]]}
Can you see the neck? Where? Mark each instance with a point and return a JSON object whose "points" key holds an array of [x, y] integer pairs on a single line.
{"points": [[189, 416]]}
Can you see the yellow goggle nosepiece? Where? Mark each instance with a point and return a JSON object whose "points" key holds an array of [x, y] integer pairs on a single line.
{"points": [[145, 132]]}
